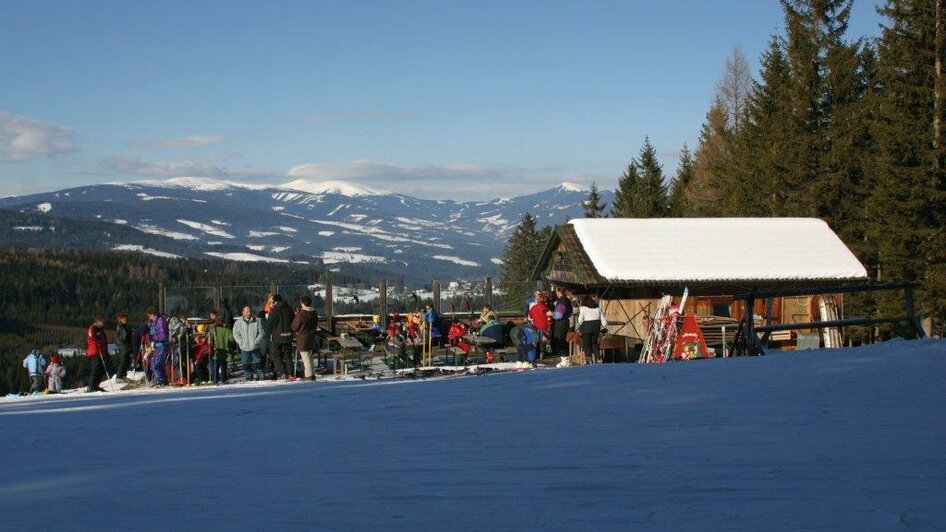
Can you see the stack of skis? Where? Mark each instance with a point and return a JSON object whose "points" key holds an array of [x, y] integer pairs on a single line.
{"points": [[664, 326]]}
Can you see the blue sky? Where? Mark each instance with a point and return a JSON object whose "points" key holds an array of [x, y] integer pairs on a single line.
{"points": [[436, 99]]}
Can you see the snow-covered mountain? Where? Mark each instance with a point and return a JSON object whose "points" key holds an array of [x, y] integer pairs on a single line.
{"points": [[334, 222]]}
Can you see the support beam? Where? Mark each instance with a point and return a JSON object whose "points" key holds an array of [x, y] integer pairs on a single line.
{"points": [[383, 301], [488, 288], [329, 304], [161, 297], [436, 304]]}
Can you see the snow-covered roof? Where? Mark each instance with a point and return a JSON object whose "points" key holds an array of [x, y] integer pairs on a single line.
{"points": [[681, 250]]}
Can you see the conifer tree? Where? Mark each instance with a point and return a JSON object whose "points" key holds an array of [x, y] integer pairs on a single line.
{"points": [[641, 191], [703, 195], [907, 224], [677, 198], [629, 187], [593, 206], [522, 252]]}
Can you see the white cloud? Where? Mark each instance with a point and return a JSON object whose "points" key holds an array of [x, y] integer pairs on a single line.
{"points": [[190, 141], [23, 139], [130, 164]]}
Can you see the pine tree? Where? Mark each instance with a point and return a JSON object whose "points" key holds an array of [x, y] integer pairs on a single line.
{"points": [[641, 191], [703, 195], [522, 252], [629, 187], [593, 206], [908, 197], [755, 178], [679, 184]]}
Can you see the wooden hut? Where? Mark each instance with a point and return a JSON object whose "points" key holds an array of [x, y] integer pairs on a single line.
{"points": [[629, 263]]}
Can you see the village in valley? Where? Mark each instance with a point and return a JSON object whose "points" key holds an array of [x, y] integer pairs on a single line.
{"points": [[473, 276]]}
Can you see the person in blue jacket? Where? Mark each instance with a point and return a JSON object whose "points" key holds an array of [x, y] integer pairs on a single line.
{"points": [[35, 364]]}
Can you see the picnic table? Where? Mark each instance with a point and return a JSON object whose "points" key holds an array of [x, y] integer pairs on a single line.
{"points": [[349, 349]]}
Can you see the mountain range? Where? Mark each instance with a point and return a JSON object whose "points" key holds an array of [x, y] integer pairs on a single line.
{"points": [[334, 223]]}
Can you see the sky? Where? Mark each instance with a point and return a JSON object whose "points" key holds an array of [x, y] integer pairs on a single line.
{"points": [[459, 100]]}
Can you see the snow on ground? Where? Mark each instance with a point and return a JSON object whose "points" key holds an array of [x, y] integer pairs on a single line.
{"points": [[44, 207], [243, 257], [33, 228], [334, 257], [155, 230], [142, 249], [209, 229], [260, 234], [827, 440], [456, 260]]}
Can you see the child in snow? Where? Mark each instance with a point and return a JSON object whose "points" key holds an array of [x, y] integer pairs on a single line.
{"points": [[54, 374], [35, 364]]}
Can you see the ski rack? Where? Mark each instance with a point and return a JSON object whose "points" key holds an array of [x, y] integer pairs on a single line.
{"points": [[748, 341]]}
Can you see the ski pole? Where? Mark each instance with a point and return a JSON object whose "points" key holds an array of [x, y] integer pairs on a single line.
{"points": [[102, 358]]}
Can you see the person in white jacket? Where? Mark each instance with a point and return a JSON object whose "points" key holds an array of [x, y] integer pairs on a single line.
{"points": [[590, 322]]}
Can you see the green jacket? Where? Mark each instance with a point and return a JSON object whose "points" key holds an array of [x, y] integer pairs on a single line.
{"points": [[225, 347]]}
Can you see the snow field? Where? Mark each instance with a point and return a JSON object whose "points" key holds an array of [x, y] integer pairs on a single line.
{"points": [[838, 440]]}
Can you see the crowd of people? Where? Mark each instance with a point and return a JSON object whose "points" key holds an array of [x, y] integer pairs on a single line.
{"points": [[199, 351]]}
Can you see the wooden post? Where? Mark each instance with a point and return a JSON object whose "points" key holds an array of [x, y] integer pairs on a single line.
{"points": [[489, 291], [752, 340], [161, 296], [911, 314], [436, 287], [383, 301], [273, 288], [217, 297], [329, 304]]}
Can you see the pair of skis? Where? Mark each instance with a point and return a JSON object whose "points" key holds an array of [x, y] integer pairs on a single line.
{"points": [[663, 330]]}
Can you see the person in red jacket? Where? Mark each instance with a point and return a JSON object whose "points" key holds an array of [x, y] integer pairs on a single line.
{"points": [[96, 350], [540, 316]]}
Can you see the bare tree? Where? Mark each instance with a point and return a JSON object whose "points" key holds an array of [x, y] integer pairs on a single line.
{"points": [[734, 88]]}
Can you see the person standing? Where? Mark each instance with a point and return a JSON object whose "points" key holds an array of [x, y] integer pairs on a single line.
{"points": [[54, 375], [561, 319], [35, 364], [96, 349], [248, 334], [226, 313], [158, 331], [590, 321], [123, 337], [224, 347], [304, 326], [280, 337]]}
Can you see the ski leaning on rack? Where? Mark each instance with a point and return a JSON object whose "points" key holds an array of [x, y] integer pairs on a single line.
{"points": [[663, 330]]}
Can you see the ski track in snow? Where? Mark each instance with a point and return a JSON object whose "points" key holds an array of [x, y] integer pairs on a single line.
{"points": [[829, 440]]}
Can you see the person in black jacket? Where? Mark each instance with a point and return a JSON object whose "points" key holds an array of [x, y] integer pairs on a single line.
{"points": [[226, 313], [123, 339], [280, 334]]}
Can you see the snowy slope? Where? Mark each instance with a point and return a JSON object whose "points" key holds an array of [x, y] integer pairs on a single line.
{"points": [[827, 440]]}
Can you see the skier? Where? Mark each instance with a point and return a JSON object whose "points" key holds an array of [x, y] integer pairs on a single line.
{"points": [[54, 374], [96, 349], [35, 364], [158, 331], [248, 334]]}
